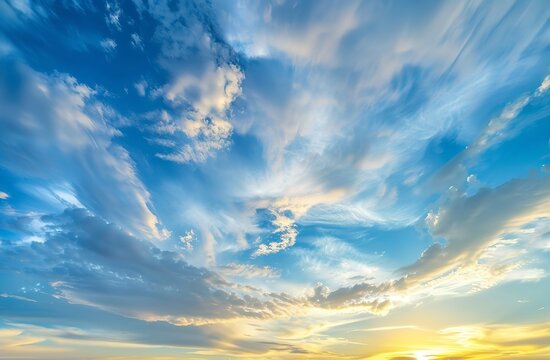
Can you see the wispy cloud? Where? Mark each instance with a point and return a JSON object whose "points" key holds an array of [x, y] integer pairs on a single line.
{"points": [[66, 134]]}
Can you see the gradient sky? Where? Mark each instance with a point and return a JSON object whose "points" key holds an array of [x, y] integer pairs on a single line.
{"points": [[274, 179]]}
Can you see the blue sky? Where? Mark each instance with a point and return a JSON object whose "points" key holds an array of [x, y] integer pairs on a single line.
{"points": [[274, 179]]}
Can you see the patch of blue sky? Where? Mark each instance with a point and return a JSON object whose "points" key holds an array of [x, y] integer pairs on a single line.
{"points": [[524, 154]]}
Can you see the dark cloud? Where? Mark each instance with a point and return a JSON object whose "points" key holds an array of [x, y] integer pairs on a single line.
{"points": [[89, 261]]}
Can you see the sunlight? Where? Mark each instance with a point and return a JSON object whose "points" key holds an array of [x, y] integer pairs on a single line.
{"points": [[421, 355]]}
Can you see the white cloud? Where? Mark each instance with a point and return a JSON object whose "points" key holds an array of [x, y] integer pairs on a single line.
{"points": [[18, 297], [491, 237], [109, 45], [499, 129], [336, 113], [477, 254], [331, 122], [141, 87], [206, 125], [112, 18], [3, 195], [64, 141], [204, 82], [286, 210], [249, 271], [544, 86], [314, 39], [18, 11], [136, 41], [187, 240], [285, 229]]}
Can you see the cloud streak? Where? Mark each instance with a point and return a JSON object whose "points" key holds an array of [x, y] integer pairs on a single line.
{"points": [[72, 143]]}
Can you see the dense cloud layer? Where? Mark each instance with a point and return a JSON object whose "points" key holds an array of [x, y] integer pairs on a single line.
{"points": [[87, 261]]}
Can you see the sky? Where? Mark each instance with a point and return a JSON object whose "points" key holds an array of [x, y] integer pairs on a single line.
{"points": [[274, 179]]}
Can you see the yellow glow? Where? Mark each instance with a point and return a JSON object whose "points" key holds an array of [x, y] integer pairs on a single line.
{"points": [[475, 342], [419, 355]]}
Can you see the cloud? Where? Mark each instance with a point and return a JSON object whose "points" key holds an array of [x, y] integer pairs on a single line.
{"points": [[248, 271], [544, 86], [69, 342], [499, 129], [187, 240], [3, 195], [513, 341], [482, 249], [141, 87], [82, 328], [136, 41], [17, 12], [337, 261], [4, 295], [113, 14], [204, 80], [470, 225], [327, 121], [206, 125], [265, 29], [285, 212], [109, 45], [61, 138], [104, 267], [285, 230], [362, 295], [330, 123]]}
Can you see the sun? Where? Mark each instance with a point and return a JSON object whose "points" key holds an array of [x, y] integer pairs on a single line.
{"points": [[421, 355]]}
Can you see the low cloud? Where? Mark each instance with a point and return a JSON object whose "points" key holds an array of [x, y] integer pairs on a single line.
{"points": [[103, 267]]}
